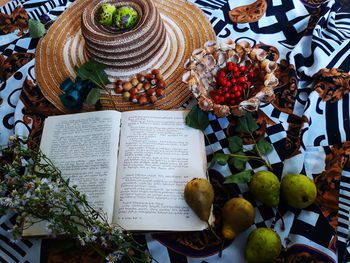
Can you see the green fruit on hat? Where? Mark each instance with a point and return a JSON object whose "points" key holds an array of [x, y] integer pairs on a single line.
{"points": [[125, 17], [298, 190], [265, 187], [263, 246], [105, 14]]}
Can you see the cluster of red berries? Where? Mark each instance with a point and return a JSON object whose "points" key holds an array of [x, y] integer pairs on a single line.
{"points": [[232, 83]]}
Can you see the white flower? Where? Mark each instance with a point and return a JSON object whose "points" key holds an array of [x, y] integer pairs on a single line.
{"points": [[45, 181], [6, 202], [81, 240], [89, 235], [103, 241], [28, 194], [115, 257]]}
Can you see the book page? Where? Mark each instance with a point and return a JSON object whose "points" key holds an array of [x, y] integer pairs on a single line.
{"points": [[158, 155], [84, 147]]}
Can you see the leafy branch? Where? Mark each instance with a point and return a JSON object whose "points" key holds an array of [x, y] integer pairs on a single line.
{"points": [[237, 157], [91, 79]]}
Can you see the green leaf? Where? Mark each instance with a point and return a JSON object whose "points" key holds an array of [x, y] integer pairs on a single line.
{"points": [[238, 163], [197, 119], [220, 158], [93, 97], [93, 71], [247, 124], [235, 144], [263, 146], [239, 178], [36, 28]]}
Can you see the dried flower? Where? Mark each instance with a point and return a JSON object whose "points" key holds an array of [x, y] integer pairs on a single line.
{"points": [[32, 187]]}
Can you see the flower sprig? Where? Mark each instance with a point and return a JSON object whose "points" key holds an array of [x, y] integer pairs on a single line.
{"points": [[33, 188]]}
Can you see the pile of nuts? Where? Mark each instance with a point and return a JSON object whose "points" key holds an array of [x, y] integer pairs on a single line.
{"points": [[233, 84], [142, 89]]}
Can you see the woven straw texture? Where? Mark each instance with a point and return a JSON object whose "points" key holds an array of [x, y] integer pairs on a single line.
{"points": [[63, 48]]}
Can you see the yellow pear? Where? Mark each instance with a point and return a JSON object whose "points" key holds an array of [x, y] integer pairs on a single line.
{"points": [[238, 214], [298, 190], [199, 195]]}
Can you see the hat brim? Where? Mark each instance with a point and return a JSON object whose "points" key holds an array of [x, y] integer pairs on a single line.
{"points": [[63, 48]]}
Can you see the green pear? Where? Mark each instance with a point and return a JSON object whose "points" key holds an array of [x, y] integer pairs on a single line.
{"points": [[265, 187], [238, 214], [298, 190], [263, 246], [199, 195]]}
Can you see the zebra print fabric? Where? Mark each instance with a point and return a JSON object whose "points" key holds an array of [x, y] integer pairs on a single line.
{"points": [[310, 135]]}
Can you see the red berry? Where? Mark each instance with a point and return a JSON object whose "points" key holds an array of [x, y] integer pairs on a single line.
{"points": [[227, 95], [221, 74], [222, 99], [245, 85], [251, 74], [232, 95], [242, 68], [235, 89], [238, 93], [219, 91], [225, 89], [233, 102], [241, 79]]}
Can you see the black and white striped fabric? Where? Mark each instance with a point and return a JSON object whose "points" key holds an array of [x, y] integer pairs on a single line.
{"points": [[310, 37]]}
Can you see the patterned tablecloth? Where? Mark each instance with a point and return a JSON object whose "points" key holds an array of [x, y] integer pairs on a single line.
{"points": [[308, 123]]}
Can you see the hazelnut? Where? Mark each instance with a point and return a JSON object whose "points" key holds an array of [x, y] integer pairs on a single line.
{"points": [[134, 82], [151, 92], [118, 89], [133, 91], [139, 86], [147, 85], [133, 98], [140, 77], [127, 86], [161, 84], [159, 92], [153, 99], [126, 95], [119, 82], [149, 76], [143, 99], [159, 76], [155, 71]]}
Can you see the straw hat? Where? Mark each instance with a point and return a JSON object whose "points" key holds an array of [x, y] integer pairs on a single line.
{"points": [[64, 47]]}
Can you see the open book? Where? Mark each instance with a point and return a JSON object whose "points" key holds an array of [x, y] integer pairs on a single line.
{"points": [[134, 165]]}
